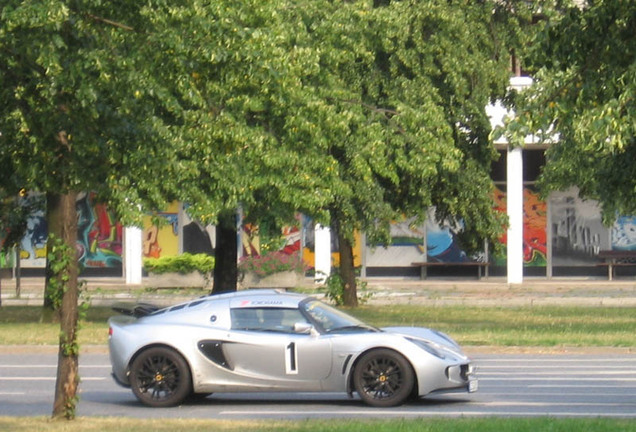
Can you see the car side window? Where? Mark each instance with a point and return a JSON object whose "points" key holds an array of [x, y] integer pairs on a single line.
{"points": [[266, 319]]}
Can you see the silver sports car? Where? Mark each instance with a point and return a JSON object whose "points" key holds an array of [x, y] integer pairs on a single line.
{"points": [[269, 340]]}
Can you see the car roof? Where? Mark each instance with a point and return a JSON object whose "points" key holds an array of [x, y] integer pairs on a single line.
{"points": [[261, 298], [265, 299]]}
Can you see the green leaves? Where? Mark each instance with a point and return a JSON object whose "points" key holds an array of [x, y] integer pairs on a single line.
{"points": [[273, 106], [583, 97]]}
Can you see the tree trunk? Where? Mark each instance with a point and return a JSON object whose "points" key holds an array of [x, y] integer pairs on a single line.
{"points": [[226, 251], [65, 295], [347, 271], [54, 225]]}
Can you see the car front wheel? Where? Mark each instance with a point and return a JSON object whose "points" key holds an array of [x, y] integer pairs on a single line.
{"points": [[383, 378], [160, 377]]}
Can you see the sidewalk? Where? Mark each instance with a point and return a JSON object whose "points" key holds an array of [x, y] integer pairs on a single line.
{"points": [[434, 292]]}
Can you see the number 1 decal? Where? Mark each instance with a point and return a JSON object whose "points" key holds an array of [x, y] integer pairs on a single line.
{"points": [[291, 359]]}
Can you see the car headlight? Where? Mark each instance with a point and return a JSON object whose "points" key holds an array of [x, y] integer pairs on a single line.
{"points": [[429, 347]]}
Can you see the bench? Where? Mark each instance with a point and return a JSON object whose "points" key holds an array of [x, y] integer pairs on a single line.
{"points": [[480, 265], [616, 258]]}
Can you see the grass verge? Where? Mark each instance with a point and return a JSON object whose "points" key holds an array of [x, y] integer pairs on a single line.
{"points": [[543, 326], [418, 425]]}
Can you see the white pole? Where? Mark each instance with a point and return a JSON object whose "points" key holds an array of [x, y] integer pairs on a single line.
{"points": [[515, 215], [133, 255], [322, 253]]}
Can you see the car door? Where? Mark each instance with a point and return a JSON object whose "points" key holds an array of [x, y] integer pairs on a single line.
{"points": [[263, 345]]}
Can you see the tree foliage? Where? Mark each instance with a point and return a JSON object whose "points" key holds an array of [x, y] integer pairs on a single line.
{"points": [[584, 67], [72, 119], [238, 67], [354, 112], [398, 103]]}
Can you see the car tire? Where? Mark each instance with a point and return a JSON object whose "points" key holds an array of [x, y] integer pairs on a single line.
{"points": [[383, 378], [160, 377]]}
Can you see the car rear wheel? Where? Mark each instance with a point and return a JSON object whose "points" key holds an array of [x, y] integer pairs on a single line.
{"points": [[383, 378], [160, 377]]}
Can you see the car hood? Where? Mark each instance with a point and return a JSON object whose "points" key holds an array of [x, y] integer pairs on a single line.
{"points": [[428, 335]]}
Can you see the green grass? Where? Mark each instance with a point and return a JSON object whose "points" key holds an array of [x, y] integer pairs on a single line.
{"points": [[542, 326], [417, 425], [26, 325], [515, 326]]}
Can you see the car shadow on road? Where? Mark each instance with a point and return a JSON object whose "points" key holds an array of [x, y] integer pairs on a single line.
{"points": [[269, 399]]}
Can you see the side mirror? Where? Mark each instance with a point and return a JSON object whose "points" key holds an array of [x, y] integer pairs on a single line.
{"points": [[303, 328]]}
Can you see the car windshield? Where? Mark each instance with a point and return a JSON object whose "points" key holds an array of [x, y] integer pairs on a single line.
{"points": [[331, 320]]}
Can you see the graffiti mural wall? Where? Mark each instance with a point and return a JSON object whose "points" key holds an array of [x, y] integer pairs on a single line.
{"points": [[576, 229], [162, 239], [535, 240], [442, 244], [407, 246], [33, 244], [287, 240], [624, 233], [99, 235], [309, 245]]}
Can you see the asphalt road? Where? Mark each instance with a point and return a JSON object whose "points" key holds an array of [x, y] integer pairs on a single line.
{"points": [[510, 385]]}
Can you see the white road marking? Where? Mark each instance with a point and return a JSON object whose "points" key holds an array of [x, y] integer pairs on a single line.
{"points": [[584, 386], [47, 378], [595, 395], [550, 374], [547, 404], [566, 361], [422, 413], [50, 366], [522, 378], [544, 367]]}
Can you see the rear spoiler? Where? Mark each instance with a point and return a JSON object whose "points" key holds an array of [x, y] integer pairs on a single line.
{"points": [[136, 310]]}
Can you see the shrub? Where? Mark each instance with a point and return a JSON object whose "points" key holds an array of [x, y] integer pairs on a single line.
{"points": [[271, 262], [334, 289], [184, 263]]}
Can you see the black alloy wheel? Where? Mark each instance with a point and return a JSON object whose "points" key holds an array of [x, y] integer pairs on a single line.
{"points": [[383, 378], [160, 377]]}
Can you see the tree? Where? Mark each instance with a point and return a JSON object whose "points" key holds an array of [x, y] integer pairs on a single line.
{"points": [[583, 63], [143, 104], [403, 115], [243, 153], [80, 112]]}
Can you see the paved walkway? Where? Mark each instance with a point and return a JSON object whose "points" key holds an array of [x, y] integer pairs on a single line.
{"points": [[491, 292]]}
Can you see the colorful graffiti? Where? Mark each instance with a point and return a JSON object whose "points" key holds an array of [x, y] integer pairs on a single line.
{"points": [[162, 239], [442, 244], [287, 241], [624, 233], [309, 245], [407, 246], [535, 244], [99, 235], [33, 244], [250, 240]]}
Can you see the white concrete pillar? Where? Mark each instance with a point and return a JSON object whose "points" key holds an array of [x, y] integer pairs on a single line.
{"points": [[322, 252], [515, 215], [133, 243]]}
